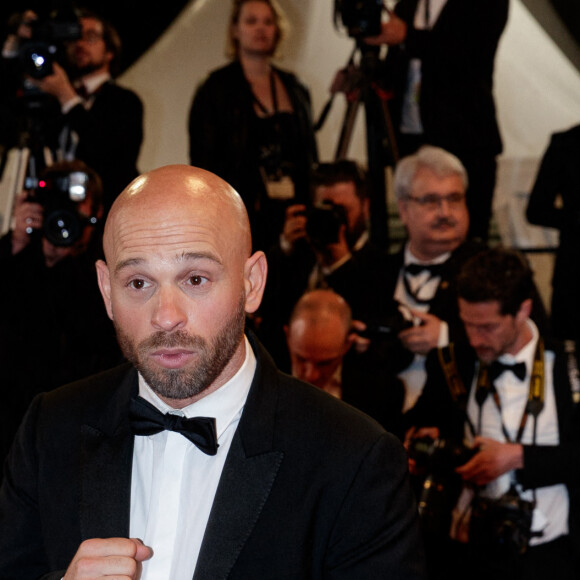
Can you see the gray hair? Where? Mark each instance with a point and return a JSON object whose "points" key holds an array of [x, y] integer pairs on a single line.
{"points": [[440, 162]]}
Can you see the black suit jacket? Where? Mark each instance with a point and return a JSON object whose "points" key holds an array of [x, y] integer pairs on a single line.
{"points": [[458, 53], [110, 136], [559, 177], [544, 465], [311, 488]]}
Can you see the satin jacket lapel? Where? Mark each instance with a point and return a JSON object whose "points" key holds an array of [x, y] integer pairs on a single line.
{"points": [[106, 463], [248, 476]]}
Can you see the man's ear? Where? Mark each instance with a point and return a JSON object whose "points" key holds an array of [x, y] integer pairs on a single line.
{"points": [[255, 274], [104, 279], [402, 208], [525, 310]]}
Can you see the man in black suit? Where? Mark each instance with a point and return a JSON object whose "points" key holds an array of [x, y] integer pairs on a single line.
{"points": [[554, 203], [510, 395], [440, 66], [282, 480], [102, 122]]}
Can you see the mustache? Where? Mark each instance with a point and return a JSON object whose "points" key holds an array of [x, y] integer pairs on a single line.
{"points": [[444, 221], [176, 339]]}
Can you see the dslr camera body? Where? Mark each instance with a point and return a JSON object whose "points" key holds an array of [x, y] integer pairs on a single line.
{"points": [[60, 196]]}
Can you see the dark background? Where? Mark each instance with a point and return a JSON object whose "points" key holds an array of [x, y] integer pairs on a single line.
{"points": [[140, 25]]}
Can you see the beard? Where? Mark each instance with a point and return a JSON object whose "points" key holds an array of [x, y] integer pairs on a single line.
{"points": [[187, 382]]}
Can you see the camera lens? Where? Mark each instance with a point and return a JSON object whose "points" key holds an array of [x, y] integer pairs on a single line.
{"points": [[62, 228]]}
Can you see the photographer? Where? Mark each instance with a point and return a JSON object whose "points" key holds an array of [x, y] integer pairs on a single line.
{"points": [[325, 245], [510, 395], [53, 328], [99, 122]]}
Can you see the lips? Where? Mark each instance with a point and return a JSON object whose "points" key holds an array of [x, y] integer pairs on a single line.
{"points": [[172, 358]]}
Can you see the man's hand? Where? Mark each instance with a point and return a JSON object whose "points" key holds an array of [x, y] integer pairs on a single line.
{"points": [[492, 460], [57, 84], [27, 218], [294, 225], [116, 557], [421, 339], [392, 32]]}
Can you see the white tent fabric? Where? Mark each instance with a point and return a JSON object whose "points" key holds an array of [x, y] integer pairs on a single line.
{"points": [[537, 90]]}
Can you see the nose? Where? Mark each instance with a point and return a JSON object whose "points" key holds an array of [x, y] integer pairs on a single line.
{"points": [[310, 373], [168, 312], [444, 207]]}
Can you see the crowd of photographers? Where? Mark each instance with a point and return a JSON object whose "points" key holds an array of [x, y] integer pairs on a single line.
{"points": [[412, 337]]}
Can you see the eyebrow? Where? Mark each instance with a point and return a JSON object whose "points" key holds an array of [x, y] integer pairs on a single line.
{"points": [[184, 257]]}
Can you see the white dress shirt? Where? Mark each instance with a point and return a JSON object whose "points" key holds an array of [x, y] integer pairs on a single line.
{"points": [[174, 483]]}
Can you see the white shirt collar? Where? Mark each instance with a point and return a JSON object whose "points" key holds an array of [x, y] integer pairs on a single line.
{"points": [[527, 352], [93, 83]]}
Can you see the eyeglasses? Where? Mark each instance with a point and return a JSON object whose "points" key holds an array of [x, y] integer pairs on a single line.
{"points": [[433, 201]]}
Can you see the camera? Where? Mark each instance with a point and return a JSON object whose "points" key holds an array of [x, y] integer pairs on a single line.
{"points": [[362, 18], [501, 527], [60, 195], [38, 53], [389, 327], [323, 222], [441, 487]]}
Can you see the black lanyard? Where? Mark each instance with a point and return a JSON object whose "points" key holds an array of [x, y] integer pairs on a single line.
{"points": [[274, 96]]}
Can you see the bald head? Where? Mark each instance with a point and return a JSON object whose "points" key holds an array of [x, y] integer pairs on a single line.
{"points": [[318, 336], [319, 307], [165, 196]]}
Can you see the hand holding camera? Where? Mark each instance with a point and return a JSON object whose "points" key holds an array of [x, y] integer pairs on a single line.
{"points": [[27, 219], [493, 459]]}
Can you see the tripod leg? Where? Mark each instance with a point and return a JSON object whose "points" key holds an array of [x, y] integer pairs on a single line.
{"points": [[12, 184], [347, 127]]}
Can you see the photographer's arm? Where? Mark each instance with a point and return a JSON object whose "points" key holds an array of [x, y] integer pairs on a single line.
{"points": [[58, 85]]}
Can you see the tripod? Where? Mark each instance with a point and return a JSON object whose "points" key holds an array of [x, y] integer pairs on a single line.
{"points": [[27, 159], [363, 89]]}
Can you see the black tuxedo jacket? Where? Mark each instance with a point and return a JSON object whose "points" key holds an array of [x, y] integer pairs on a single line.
{"points": [[544, 465], [458, 53], [311, 488], [110, 136]]}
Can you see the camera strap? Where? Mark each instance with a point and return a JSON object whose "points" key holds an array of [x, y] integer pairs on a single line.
{"points": [[534, 404], [457, 389]]}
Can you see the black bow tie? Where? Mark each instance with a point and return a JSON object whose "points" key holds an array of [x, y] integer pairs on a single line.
{"points": [[414, 269], [147, 420], [496, 368]]}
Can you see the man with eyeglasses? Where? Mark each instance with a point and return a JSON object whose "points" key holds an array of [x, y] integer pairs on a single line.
{"points": [[430, 190], [102, 123]]}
